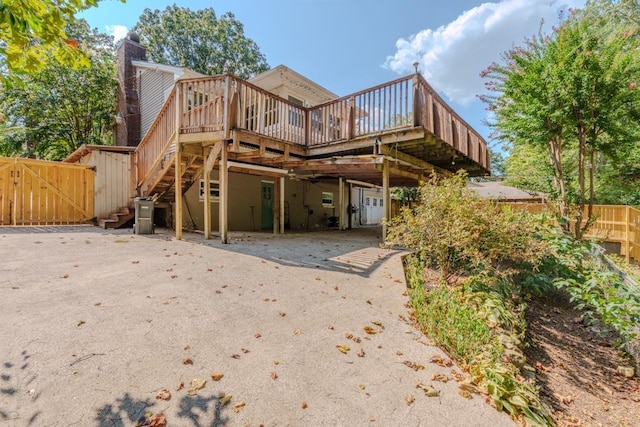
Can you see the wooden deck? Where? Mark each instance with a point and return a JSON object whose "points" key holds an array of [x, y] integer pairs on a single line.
{"points": [[403, 120], [394, 134]]}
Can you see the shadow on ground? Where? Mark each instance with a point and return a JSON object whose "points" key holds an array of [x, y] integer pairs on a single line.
{"points": [[197, 411]]}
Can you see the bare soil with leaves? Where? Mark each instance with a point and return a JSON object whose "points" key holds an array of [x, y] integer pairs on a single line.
{"points": [[577, 368]]}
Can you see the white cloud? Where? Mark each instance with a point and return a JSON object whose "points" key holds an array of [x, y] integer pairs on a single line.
{"points": [[117, 31], [452, 56]]}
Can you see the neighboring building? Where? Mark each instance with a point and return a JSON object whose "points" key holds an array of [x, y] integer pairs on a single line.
{"points": [[280, 151], [499, 191]]}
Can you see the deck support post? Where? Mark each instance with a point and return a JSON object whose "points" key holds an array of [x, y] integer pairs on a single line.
{"points": [[627, 246], [210, 162], [281, 201], [177, 185], [207, 201], [350, 207], [386, 197], [340, 203], [223, 203], [275, 205]]}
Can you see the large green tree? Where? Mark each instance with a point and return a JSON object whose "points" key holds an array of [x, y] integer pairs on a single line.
{"points": [[59, 108], [200, 41], [573, 94], [33, 31]]}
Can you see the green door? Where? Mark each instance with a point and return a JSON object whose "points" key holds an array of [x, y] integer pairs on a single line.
{"points": [[267, 205]]}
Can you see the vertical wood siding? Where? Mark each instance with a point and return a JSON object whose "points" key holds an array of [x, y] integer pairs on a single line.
{"points": [[37, 192]]}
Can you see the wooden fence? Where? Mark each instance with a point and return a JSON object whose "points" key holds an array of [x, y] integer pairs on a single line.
{"points": [[37, 192], [613, 223]]}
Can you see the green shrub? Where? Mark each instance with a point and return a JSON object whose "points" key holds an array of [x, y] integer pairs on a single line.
{"points": [[457, 232]]}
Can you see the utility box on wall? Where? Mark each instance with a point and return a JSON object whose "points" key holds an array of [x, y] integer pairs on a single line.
{"points": [[144, 216]]}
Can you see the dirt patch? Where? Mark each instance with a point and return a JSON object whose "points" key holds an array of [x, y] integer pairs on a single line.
{"points": [[576, 368]]}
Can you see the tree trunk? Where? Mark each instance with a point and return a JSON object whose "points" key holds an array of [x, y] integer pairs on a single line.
{"points": [[555, 155]]}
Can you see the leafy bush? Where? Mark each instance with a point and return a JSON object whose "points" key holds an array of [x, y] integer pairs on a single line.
{"points": [[483, 331], [456, 231]]}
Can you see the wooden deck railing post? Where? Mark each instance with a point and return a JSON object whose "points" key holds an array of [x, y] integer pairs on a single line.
{"points": [[225, 115], [417, 100], [627, 245]]}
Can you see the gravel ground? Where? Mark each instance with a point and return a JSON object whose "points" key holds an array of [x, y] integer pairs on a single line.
{"points": [[94, 324]]}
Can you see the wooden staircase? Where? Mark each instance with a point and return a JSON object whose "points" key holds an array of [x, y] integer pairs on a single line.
{"points": [[161, 186], [118, 219]]}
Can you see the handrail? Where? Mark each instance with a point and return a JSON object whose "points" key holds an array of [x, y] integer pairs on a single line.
{"points": [[155, 142]]}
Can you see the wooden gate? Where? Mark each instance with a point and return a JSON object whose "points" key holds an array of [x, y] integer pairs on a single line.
{"points": [[38, 192]]}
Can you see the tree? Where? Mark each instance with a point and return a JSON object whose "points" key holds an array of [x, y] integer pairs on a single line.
{"points": [[57, 109], [200, 41], [572, 91], [31, 31]]}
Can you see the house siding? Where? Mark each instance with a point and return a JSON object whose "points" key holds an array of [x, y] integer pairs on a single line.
{"points": [[113, 186], [153, 87]]}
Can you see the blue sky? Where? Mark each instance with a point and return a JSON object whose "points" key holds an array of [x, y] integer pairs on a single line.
{"points": [[349, 45]]}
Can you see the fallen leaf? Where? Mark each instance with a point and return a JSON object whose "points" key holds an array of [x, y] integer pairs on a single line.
{"points": [[378, 324], [235, 356], [438, 360], [362, 386], [318, 278], [186, 347], [297, 332], [180, 387], [163, 394], [464, 393], [370, 330], [238, 406], [330, 327], [304, 405], [360, 353], [245, 350], [348, 336], [368, 301], [336, 288], [196, 384], [98, 304], [174, 276], [413, 365], [225, 399], [356, 340], [344, 349], [187, 361], [217, 376], [410, 399], [257, 335], [429, 391], [282, 314], [439, 377], [276, 362], [399, 353], [64, 276], [274, 375], [81, 322], [158, 420]]}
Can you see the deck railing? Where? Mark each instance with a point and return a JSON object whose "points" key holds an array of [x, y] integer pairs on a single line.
{"points": [[223, 103], [613, 223], [154, 145]]}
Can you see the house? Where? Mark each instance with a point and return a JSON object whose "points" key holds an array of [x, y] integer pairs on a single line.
{"points": [[280, 151], [499, 191]]}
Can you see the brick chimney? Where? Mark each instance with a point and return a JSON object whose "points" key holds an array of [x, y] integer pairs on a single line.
{"points": [[128, 112]]}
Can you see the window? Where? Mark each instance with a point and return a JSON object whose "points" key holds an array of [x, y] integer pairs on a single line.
{"points": [[375, 202], [381, 202], [327, 199], [214, 190], [368, 201]]}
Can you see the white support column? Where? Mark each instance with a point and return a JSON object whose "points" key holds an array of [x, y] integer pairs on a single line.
{"points": [[340, 203], [281, 201], [386, 196], [223, 204]]}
